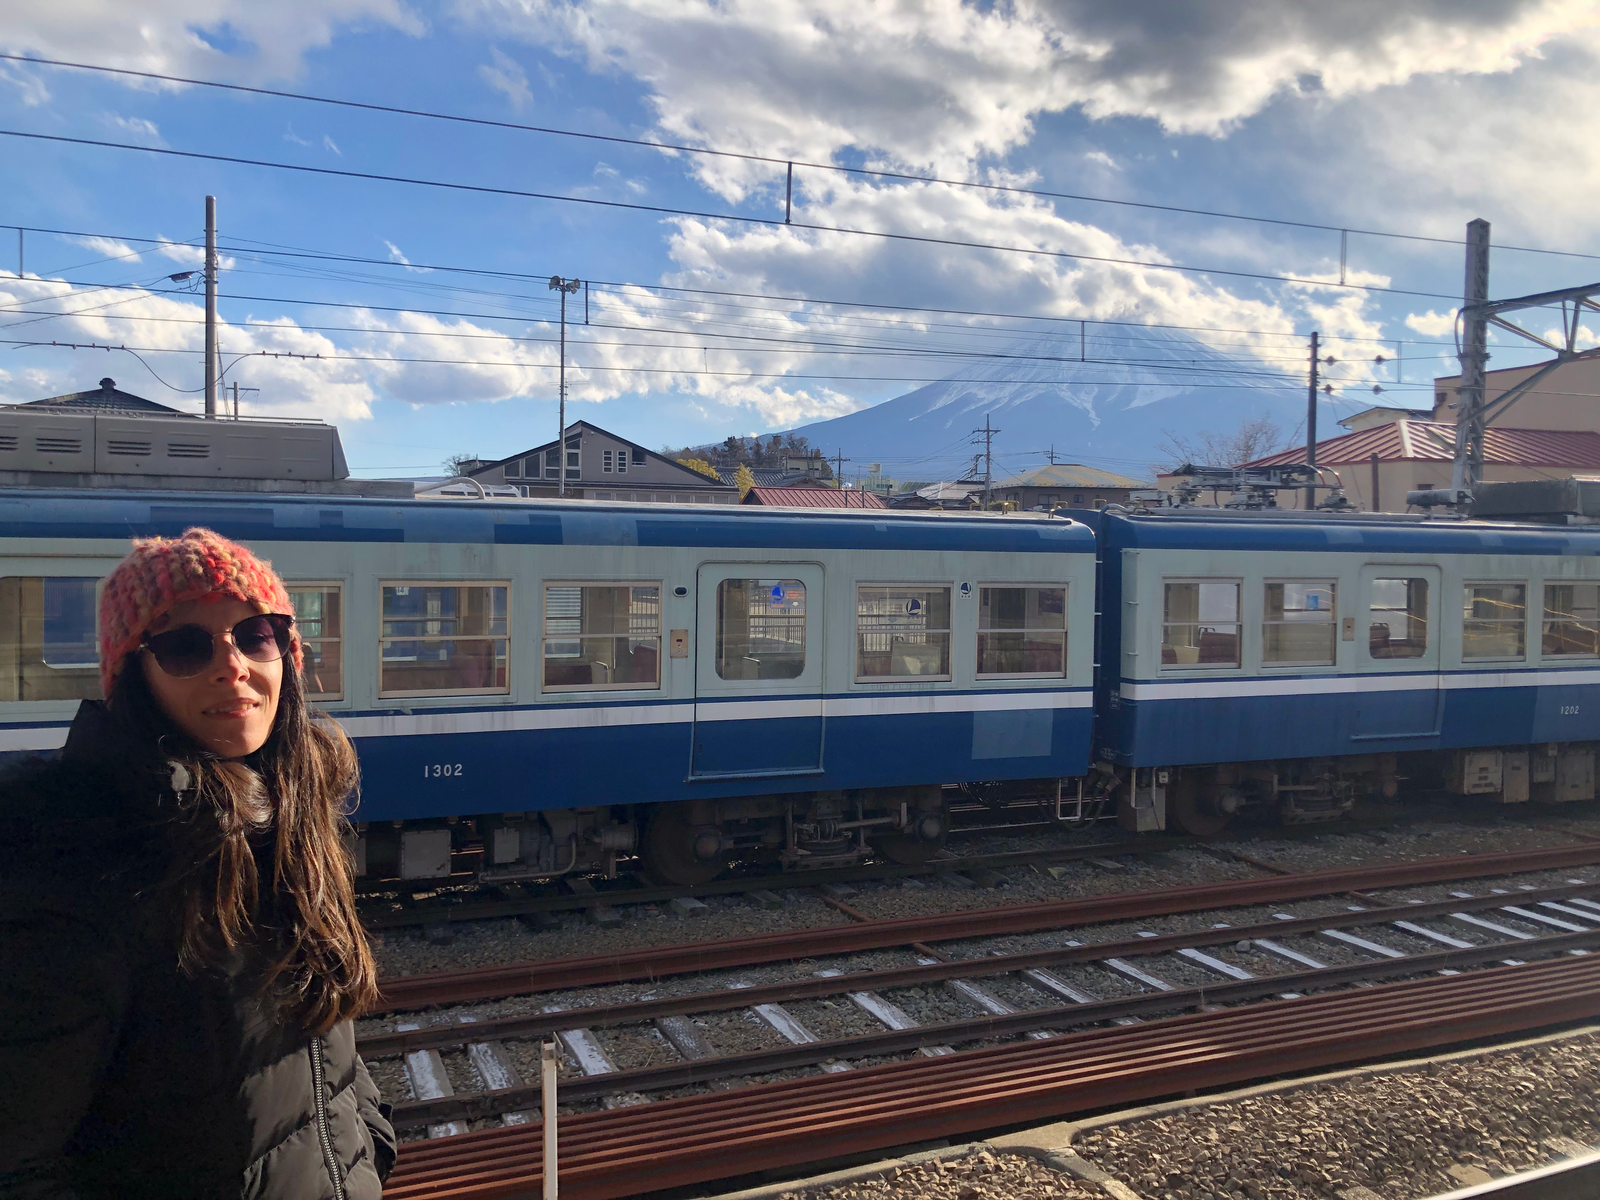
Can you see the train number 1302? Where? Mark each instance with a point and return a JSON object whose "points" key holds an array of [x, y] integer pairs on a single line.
{"points": [[440, 770]]}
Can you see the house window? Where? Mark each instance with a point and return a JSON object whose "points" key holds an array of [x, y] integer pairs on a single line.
{"points": [[622, 462], [1298, 622], [1399, 619], [761, 628], [1200, 624], [444, 639], [638, 458], [902, 631], [605, 461], [552, 464], [47, 643], [319, 616], [1493, 620], [514, 469], [602, 635], [1572, 619], [1022, 631], [1077, 499]]}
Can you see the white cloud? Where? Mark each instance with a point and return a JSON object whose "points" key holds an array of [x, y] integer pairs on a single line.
{"points": [[291, 136], [243, 40], [1432, 324], [29, 86], [942, 83], [328, 144], [1104, 159], [138, 127], [109, 248], [506, 76], [397, 255]]}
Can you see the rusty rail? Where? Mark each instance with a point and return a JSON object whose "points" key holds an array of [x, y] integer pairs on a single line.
{"points": [[696, 1139], [489, 983]]}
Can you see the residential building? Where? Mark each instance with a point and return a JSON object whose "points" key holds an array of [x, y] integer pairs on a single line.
{"points": [[1378, 465], [1567, 398], [1066, 485], [603, 466], [109, 438]]}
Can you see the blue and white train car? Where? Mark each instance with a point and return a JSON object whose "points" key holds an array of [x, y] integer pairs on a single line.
{"points": [[1294, 661], [572, 681]]}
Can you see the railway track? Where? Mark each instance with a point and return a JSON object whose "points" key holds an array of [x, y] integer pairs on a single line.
{"points": [[489, 983], [632, 1150], [1232, 985]]}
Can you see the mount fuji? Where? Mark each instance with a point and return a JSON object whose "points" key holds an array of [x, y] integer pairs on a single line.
{"points": [[1103, 400]]}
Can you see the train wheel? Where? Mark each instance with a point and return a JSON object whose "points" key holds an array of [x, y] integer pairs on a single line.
{"points": [[1188, 808], [668, 851]]}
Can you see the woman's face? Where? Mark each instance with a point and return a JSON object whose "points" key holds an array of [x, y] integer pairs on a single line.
{"points": [[229, 707]]}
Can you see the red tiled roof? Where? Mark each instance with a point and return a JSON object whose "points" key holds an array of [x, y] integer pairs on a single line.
{"points": [[1435, 441], [812, 497]]}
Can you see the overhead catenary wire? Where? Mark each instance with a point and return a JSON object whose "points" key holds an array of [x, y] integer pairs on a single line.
{"points": [[256, 248], [736, 218], [774, 160]]}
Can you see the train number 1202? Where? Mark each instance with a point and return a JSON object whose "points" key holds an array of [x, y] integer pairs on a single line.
{"points": [[1569, 710], [440, 770]]}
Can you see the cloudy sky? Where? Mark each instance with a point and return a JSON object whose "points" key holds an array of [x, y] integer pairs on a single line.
{"points": [[419, 316]]}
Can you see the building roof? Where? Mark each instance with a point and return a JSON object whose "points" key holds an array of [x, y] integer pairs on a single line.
{"points": [[812, 497], [1435, 441], [106, 398], [772, 477], [701, 481], [1404, 413], [1069, 475]]}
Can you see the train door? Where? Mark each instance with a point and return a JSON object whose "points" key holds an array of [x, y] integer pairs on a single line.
{"points": [[758, 673], [1397, 635]]}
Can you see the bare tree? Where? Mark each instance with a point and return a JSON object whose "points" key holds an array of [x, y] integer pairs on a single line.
{"points": [[462, 464], [1255, 438]]}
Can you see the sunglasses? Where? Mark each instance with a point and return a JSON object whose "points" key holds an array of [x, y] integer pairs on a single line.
{"points": [[186, 651]]}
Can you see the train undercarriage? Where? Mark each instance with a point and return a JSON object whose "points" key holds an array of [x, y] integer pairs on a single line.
{"points": [[692, 842]]}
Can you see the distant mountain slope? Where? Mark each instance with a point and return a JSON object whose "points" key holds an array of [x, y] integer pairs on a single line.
{"points": [[1110, 410]]}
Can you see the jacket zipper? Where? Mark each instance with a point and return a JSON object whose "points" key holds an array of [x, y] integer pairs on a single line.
{"points": [[319, 1086]]}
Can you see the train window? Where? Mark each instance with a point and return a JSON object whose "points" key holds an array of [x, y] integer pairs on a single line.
{"points": [[47, 643], [1022, 631], [1298, 623], [602, 635], [761, 628], [1399, 619], [902, 631], [319, 616], [444, 639], [1572, 619], [1494, 620], [1200, 624]]}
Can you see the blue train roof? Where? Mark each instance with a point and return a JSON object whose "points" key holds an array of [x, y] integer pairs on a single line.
{"points": [[1354, 534], [352, 519]]}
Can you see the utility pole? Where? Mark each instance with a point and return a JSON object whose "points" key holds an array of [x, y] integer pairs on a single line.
{"points": [[235, 399], [987, 433], [567, 287], [1311, 427], [211, 306], [839, 461], [1468, 469]]}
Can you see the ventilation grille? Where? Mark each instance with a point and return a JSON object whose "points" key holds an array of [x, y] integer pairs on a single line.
{"points": [[58, 445], [8, 441], [188, 450], [126, 448]]}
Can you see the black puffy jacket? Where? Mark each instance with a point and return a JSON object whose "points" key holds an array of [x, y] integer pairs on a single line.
{"points": [[119, 1074]]}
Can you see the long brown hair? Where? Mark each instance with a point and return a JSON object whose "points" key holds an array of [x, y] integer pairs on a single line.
{"points": [[318, 968]]}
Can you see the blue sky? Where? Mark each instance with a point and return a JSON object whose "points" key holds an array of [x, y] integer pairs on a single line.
{"points": [[1410, 117]]}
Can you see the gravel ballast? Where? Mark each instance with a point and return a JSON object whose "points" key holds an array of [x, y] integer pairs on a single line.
{"points": [[1396, 1134], [980, 1176]]}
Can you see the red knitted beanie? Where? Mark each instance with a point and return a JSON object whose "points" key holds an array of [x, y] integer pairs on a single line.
{"points": [[164, 572]]}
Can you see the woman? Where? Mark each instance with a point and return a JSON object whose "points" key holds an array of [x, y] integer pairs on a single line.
{"points": [[180, 957]]}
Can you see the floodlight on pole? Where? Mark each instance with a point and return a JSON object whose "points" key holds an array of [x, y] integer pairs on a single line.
{"points": [[567, 287]]}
